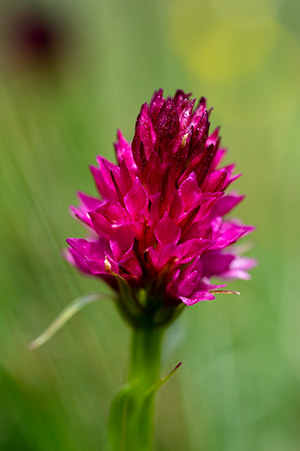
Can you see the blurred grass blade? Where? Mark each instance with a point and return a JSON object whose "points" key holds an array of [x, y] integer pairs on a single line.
{"points": [[224, 292], [63, 317], [122, 410]]}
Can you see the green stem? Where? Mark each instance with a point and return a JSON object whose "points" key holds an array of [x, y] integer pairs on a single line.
{"points": [[131, 421], [145, 355]]}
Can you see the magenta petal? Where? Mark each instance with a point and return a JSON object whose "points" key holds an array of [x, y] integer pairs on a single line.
{"points": [[108, 218], [181, 150], [185, 113], [131, 268], [209, 200], [176, 207], [87, 204], [197, 297], [167, 189], [239, 267], [154, 209], [199, 141], [236, 274], [114, 213], [122, 242], [126, 178], [215, 263], [187, 286], [100, 267], [195, 265], [215, 181], [156, 105], [167, 126], [100, 224], [91, 254], [104, 185], [142, 138], [199, 112], [75, 259], [180, 98], [166, 254], [153, 173], [89, 249], [226, 204], [157, 257], [190, 192], [231, 178], [219, 156], [213, 138], [163, 255], [103, 179], [200, 164], [124, 153], [196, 230], [193, 248], [230, 233], [167, 231], [136, 201], [195, 268], [172, 286], [245, 263]]}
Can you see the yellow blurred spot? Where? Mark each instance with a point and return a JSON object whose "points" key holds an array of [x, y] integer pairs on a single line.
{"points": [[227, 47], [239, 50], [272, 95], [230, 53], [246, 13]]}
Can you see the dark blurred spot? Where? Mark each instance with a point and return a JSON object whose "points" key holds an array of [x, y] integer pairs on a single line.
{"points": [[34, 37]]}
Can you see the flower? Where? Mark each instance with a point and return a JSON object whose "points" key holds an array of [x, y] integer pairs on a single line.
{"points": [[159, 223]]}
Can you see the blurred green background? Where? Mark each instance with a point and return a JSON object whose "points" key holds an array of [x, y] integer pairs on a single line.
{"points": [[71, 73]]}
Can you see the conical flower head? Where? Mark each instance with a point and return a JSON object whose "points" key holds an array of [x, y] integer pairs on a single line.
{"points": [[159, 222]]}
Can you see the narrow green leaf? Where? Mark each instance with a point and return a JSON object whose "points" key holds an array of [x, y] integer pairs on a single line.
{"points": [[63, 317], [146, 411], [153, 389]]}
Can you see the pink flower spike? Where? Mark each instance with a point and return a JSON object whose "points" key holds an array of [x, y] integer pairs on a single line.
{"points": [[158, 223]]}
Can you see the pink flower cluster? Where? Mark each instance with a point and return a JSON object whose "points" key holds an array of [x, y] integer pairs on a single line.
{"points": [[159, 221]]}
